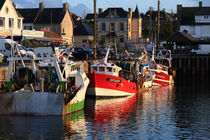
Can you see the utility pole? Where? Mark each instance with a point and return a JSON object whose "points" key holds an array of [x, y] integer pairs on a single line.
{"points": [[94, 43], [158, 25], [150, 24]]}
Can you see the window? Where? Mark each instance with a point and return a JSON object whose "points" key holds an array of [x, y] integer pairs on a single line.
{"points": [[112, 27], [109, 69], [121, 26], [121, 39], [19, 23], [2, 21], [128, 27], [28, 28], [103, 38], [101, 69], [11, 22], [112, 39], [84, 41], [103, 27], [206, 17], [94, 68]]}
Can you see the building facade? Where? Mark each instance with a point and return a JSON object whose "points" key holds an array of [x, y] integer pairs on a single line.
{"points": [[57, 20], [10, 20], [83, 35], [195, 20], [117, 26]]}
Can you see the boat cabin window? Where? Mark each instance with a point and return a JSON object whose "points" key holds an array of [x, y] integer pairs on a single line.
{"points": [[109, 69], [114, 70], [94, 68], [101, 69], [7, 46]]}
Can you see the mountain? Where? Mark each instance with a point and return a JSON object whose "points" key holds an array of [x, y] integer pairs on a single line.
{"points": [[80, 10]]}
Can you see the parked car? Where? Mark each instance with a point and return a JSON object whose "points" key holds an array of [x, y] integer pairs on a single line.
{"points": [[202, 49], [82, 52], [162, 49]]}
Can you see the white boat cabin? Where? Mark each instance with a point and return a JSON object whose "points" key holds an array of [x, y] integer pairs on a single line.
{"points": [[106, 68]]}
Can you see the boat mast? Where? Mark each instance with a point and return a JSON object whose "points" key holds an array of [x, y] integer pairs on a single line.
{"points": [[94, 43], [158, 25]]}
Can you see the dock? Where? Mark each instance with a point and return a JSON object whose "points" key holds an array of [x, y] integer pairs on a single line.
{"points": [[191, 69]]}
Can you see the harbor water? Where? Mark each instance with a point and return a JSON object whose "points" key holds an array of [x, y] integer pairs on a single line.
{"points": [[165, 112]]}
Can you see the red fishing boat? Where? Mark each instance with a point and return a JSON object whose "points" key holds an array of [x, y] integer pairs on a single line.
{"points": [[162, 69], [106, 82]]}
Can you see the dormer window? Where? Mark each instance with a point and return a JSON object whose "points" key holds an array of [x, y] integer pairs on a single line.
{"points": [[112, 14]]}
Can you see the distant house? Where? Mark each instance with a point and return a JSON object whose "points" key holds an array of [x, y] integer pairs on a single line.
{"points": [[117, 26], [57, 20], [83, 35], [167, 24], [89, 18], [10, 19], [195, 20]]}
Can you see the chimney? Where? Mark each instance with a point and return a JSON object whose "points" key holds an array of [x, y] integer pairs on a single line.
{"points": [[100, 10], [41, 6], [65, 6], [200, 3], [130, 12], [14, 5]]}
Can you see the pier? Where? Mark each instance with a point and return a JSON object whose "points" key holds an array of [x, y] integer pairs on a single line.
{"points": [[191, 69]]}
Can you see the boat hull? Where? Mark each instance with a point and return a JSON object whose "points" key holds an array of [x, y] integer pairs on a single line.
{"points": [[162, 78], [31, 103], [77, 103], [42, 103], [109, 86]]}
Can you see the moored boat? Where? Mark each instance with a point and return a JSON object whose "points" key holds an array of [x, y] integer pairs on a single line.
{"points": [[106, 82], [162, 69], [49, 88]]}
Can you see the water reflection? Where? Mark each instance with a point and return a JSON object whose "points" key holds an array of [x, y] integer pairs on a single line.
{"points": [[191, 111], [75, 125], [31, 127], [165, 112], [157, 113], [111, 118]]}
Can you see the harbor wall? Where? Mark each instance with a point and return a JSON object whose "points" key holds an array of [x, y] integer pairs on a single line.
{"points": [[191, 69]]}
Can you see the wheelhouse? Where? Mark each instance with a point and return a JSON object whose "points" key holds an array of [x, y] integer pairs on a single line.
{"points": [[106, 68]]}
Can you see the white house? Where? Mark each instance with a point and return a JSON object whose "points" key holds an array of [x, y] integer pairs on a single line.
{"points": [[10, 19], [195, 20]]}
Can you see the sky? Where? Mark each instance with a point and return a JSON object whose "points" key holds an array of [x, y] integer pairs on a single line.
{"points": [[143, 5]]}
